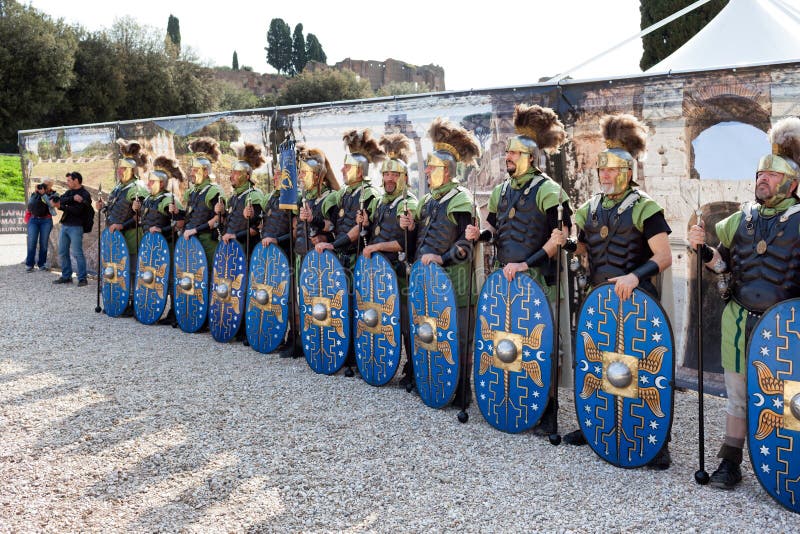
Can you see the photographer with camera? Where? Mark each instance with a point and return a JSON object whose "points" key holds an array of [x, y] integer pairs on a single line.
{"points": [[75, 203], [40, 223]]}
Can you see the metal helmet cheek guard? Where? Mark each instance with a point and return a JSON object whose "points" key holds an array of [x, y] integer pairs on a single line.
{"points": [[439, 160], [355, 162], [528, 153]]}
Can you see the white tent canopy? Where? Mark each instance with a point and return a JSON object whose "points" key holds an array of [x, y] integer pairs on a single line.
{"points": [[745, 32]]}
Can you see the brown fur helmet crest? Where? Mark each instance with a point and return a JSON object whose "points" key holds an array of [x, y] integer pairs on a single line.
{"points": [[540, 124], [133, 155], [454, 140], [625, 132], [396, 146], [363, 144], [785, 138], [170, 167], [205, 146], [249, 156]]}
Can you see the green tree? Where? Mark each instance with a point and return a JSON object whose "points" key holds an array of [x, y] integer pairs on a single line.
{"points": [[235, 63], [37, 55], [326, 85], [314, 50], [63, 149], [99, 86], [299, 58], [173, 41], [279, 46], [232, 97], [665, 40], [402, 88]]}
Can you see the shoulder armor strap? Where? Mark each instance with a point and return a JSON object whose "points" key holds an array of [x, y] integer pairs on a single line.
{"points": [[629, 201], [788, 213], [594, 203]]}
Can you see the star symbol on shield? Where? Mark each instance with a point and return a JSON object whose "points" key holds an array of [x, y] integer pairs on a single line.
{"points": [[643, 379], [657, 337], [589, 325], [536, 302], [765, 468], [777, 402], [597, 369], [765, 450], [588, 409], [484, 307], [537, 315], [536, 394], [483, 396], [534, 406], [656, 321], [444, 286], [341, 354], [449, 371], [766, 334], [651, 439], [590, 311], [654, 425], [587, 423], [483, 383], [764, 351]]}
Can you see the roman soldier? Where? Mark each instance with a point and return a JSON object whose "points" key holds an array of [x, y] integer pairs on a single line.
{"points": [[318, 182], [342, 207], [384, 234], [202, 196], [523, 213], [443, 215], [242, 215], [759, 252], [120, 215], [623, 231], [157, 216]]}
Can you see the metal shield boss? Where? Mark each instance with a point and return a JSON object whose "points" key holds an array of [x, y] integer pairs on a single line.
{"points": [[116, 272], [376, 320], [434, 334], [227, 291], [268, 296], [324, 312], [190, 284], [624, 376], [152, 278], [513, 352], [773, 402]]}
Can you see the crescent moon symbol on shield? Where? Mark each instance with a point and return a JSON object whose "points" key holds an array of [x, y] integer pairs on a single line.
{"points": [[479, 344], [283, 301], [658, 383], [584, 366], [450, 333], [393, 321], [760, 399], [538, 355]]}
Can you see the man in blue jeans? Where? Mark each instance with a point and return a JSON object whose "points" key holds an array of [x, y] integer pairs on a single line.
{"points": [[75, 203], [40, 224]]}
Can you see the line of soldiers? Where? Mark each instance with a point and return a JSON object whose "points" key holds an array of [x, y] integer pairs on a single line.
{"points": [[621, 231]]}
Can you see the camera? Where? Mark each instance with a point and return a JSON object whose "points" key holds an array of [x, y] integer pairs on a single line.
{"points": [[40, 188]]}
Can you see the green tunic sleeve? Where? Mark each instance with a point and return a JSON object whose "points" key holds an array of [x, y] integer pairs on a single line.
{"points": [[494, 198], [581, 215], [549, 194], [644, 208], [726, 228], [462, 202]]}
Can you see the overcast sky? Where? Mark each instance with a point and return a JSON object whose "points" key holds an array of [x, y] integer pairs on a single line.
{"points": [[499, 44]]}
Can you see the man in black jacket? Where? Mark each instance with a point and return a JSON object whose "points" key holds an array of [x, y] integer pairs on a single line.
{"points": [[75, 204]]}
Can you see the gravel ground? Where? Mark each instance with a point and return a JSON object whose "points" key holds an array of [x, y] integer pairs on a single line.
{"points": [[108, 425]]}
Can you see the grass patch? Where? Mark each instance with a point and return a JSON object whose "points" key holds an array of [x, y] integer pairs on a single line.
{"points": [[11, 187]]}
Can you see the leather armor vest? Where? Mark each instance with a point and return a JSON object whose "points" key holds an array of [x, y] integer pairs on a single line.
{"points": [[276, 220], [522, 227], [236, 221], [765, 259], [120, 208], [345, 218], [150, 214], [622, 249], [438, 233], [386, 227], [304, 228], [198, 211]]}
